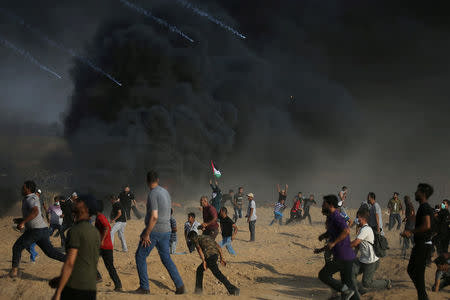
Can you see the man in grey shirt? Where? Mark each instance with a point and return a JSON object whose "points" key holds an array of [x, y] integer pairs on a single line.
{"points": [[36, 230], [156, 234], [376, 218]]}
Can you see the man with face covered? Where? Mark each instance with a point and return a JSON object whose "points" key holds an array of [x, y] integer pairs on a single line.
{"points": [[422, 239]]}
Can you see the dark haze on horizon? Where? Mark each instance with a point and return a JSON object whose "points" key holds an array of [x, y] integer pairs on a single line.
{"points": [[368, 83]]}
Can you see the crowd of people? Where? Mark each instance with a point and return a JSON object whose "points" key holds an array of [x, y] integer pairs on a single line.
{"points": [[86, 234]]}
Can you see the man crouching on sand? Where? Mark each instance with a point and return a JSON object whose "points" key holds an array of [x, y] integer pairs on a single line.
{"points": [[209, 252]]}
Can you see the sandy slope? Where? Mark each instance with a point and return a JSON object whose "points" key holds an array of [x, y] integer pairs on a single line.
{"points": [[280, 265]]}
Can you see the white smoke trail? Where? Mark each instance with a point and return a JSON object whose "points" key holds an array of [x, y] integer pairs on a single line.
{"points": [[159, 20], [209, 17], [27, 56], [57, 45]]}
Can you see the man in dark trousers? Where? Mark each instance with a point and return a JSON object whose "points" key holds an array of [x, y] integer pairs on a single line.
{"points": [[209, 252], [306, 205], [67, 210], [126, 198], [36, 230], [338, 235], [422, 240]]}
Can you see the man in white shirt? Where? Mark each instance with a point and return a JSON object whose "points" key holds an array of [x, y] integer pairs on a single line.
{"points": [[251, 216], [190, 225], [368, 262]]}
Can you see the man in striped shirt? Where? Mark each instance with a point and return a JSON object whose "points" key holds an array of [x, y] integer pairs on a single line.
{"points": [[278, 212]]}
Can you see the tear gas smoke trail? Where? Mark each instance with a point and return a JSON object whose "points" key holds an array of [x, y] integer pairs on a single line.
{"points": [[27, 55], [159, 20], [212, 19], [56, 45]]}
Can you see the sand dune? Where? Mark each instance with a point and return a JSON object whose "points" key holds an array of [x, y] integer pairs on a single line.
{"points": [[279, 265]]}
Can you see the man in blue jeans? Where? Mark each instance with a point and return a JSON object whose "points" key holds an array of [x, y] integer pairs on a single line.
{"points": [[36, 230], [156, 234]]}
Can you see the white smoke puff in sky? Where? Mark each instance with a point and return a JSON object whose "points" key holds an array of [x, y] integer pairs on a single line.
{"points": [[212, 19], [27, 56], [57, 45], [159, 20]]}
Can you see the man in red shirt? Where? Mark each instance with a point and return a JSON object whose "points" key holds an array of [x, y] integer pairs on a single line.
{"points": [[210, 226], [106, 248], [296, 209]]}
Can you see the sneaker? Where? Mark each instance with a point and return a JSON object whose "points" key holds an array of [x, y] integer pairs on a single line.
{"points": [[347, 295], [142, 291], [180, 290], [389, 284], [235, 292]]}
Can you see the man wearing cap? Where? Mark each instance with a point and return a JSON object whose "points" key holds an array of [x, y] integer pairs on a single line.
{"points": [[251, 216], [36, 230], [126, 198], [78, 277]]}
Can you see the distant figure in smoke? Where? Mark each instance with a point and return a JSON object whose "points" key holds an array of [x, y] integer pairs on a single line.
{"points": [[395, 210], [210, 216], [422, 240], [216, 197], [36, 230], [156, 234], [282, 194], [296, 210], [119, 221], [409, 220], [238, 200], [126, 198], [306, 205], [55, 215], [173, 233], [278, 212], [251, 216], [227, 198]]}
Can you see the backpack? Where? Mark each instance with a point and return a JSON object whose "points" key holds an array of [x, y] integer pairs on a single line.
{"points": [[380, 245]]}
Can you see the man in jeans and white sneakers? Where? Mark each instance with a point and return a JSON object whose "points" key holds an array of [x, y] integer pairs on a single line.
{"points": [[368, 262]]}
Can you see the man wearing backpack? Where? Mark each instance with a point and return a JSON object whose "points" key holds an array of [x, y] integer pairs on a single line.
{"points": [[368, 262]]}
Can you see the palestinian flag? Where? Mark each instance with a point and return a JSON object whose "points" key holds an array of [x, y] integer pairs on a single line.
{"points": [[216, 172]]}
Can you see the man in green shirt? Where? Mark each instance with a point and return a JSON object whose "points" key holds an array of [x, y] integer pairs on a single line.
{"points": [[395, 208], [78, 277], [209, 252]]}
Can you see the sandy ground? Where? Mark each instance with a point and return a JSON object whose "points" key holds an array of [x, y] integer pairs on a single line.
{"points": [[279, 265]]}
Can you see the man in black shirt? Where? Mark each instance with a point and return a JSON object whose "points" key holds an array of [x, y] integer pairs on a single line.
{"points": [[443, 222], [119, 222], [422, 240], [126, 198], [306, 204], [229, 230], [67, 207]]}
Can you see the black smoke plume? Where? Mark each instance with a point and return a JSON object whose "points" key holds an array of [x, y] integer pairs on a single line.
{"points": [[253, 107]]}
